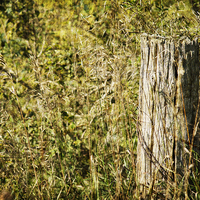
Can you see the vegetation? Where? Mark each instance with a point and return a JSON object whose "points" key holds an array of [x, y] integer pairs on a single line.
{"points": [[69, 93]]}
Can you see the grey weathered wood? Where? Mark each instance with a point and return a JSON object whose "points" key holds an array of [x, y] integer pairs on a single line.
{"points": [[169, 83]]}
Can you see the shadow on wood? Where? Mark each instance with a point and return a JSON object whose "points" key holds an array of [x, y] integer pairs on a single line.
{"points": [[168, 114]]}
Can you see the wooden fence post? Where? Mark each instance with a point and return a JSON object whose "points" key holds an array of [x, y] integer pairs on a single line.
{"points": [[168, 103]]}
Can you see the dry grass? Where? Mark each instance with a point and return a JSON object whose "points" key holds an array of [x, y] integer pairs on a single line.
{"points": [[69, 101]]}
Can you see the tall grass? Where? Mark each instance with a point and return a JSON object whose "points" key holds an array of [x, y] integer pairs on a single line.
{"points": [[69, 103]]}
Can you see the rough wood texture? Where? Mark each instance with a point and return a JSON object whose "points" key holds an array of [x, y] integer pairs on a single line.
{"points": [[169, 83]]}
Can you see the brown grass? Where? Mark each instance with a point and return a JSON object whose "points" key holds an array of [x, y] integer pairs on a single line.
{"points": [[6, 195]]}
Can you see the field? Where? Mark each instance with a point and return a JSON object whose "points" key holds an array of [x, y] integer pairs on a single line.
{"points": [[69, 86]]}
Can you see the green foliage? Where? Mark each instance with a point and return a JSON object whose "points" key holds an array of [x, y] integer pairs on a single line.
{"points": [[69, 93]]}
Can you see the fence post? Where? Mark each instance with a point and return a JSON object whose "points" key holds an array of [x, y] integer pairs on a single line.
{"points": [[168, 103]]}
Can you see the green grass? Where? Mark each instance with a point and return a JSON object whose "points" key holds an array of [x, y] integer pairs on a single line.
{"points": [[69, 97]]}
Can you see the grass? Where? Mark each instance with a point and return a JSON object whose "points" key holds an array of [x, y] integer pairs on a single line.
{"points": [[69, 102]]}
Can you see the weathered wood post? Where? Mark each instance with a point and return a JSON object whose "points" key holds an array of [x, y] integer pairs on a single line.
{"points": [[168, 102]]}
